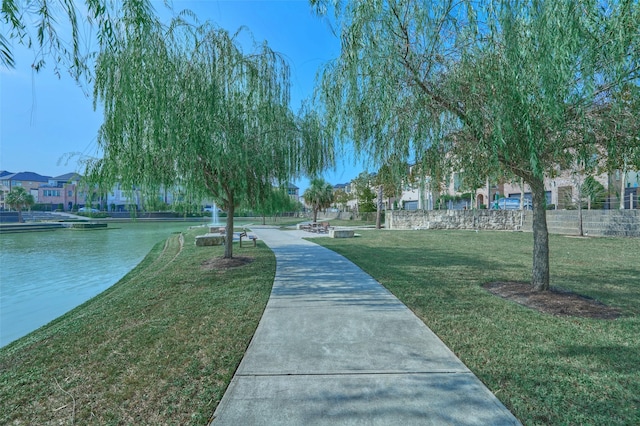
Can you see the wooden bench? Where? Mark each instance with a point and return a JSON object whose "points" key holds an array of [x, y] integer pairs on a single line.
{"points": [[321, 228], [317, 227], [325, 226], [251, 237]]}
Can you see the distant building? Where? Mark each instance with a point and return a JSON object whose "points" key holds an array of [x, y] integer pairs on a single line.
{"points": [[351, 202], [346, 187], [27, 180], [292, 191], [63, 192]]}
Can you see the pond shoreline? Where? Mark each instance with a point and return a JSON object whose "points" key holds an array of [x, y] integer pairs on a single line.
{"points": [[99, 223], [45, 274]]}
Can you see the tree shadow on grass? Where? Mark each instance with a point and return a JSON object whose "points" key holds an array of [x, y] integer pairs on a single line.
{"points": [[626, 359], [438, 267]]}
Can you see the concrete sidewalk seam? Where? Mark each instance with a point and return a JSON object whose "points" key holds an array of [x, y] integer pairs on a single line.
{"points": [[364, 373]]}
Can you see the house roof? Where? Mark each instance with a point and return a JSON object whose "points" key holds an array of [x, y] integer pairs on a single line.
{"points": [[67, 177], [3, 173], [26, 176]]}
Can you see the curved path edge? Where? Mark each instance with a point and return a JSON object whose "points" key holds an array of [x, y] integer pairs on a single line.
{"points": [[336, 347]]}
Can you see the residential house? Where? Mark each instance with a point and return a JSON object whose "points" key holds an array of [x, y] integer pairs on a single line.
{"points": [[346, 187], [349, 189], [28, 180], [628, 182], [119, 199], [63, 192], [293, 192], [562, 192]]}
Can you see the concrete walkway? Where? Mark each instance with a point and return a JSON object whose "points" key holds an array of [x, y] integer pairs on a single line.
{"points": [[335, 347]]}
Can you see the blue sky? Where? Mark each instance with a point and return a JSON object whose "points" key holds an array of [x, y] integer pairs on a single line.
{"points": [[44, 118]]}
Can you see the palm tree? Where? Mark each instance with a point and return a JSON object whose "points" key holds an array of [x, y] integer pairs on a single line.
{"points": [[18, 199], [319, 195]]}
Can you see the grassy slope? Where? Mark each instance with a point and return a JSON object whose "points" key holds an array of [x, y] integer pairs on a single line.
{"points": [[159, 347], [546, 369]]}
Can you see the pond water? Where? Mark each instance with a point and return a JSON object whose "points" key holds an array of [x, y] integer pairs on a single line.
{"points": [[45, 274]]}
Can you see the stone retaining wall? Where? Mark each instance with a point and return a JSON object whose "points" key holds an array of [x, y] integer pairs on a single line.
{"points": [[8, 217], [503, 220], [613, 223], [601, 223]]}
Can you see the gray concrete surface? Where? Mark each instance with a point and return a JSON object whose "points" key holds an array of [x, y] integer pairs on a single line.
{"points": [[335, 347]]}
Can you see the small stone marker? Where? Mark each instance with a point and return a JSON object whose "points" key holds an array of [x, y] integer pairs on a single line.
{"points": [[209, 240], [341, 233]]}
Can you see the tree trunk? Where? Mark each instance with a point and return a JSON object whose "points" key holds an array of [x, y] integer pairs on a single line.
{"points": [[315, 214], [228, 239], [580, 221], [623, 174], [488, 201], [540, 276], [379, 207], [580, 227]]}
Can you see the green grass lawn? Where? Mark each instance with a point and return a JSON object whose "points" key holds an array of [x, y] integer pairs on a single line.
{"points": [[159, 347], [546, 369]]}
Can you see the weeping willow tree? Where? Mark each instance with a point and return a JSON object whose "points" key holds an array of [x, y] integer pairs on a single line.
{"points": [[61, 31], [278, 202], [492, 88], [185, 106]]}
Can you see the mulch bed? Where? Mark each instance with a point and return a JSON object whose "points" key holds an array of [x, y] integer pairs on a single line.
{"points": [[220, 263], [554, 301]]}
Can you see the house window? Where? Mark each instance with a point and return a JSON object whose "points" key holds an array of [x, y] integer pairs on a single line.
{"points": [[410, 205], [457, 182], [69, 193]]}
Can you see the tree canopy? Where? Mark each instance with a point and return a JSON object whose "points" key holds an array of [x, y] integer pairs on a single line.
{"points": [[364, 194], [278, 201], [19, 198], [60, 31], [319, 195], [185, 106], [514, 88]]}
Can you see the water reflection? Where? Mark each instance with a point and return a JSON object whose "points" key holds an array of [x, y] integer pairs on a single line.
{"points": [[45, 274]]}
